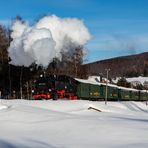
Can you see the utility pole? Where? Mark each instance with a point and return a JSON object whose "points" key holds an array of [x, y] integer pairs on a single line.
{"points": [[9, 67], [27, 87], [10, 93], [106, 92], [21, 93]]}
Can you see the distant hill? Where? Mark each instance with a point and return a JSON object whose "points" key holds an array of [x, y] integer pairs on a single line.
{"points": [[130, 66]]}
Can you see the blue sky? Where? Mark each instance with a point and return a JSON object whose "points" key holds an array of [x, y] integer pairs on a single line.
{"points": [[118, 27]]}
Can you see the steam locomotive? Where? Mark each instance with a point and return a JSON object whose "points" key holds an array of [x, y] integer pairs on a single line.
{"points": [[61, 87], [55, 87]]}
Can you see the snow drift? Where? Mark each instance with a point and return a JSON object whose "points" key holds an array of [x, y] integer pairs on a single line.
{"points": [[69, 124]]}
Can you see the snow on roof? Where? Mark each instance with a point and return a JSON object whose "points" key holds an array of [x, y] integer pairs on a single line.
{"points": [[128, 89], [144, 91], [94, 81], [87, 81]]}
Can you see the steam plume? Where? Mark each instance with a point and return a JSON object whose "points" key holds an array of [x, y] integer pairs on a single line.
{"points": [[45, 40]]}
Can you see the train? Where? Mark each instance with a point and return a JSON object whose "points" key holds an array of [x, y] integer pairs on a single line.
{"points": [[55, 87], [65, 87]]}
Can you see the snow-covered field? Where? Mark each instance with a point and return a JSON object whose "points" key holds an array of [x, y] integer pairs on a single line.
{"points": [[69, 124]]}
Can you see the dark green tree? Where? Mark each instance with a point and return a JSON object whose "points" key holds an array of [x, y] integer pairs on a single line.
{"points": [[123, 82]]}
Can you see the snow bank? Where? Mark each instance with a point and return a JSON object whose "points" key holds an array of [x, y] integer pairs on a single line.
{"points": [[2, 106], [69, 124]]}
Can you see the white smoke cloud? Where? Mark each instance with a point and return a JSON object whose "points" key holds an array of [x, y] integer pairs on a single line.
{"points": [[45, 40]]}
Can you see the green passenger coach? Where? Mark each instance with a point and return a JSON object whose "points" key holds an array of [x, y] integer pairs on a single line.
{"points": [[89, 90]]}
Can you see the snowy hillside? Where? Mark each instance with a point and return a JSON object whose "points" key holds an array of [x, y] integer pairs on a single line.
{"points": [[134, 80], [138, 79], [69, 124]]}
